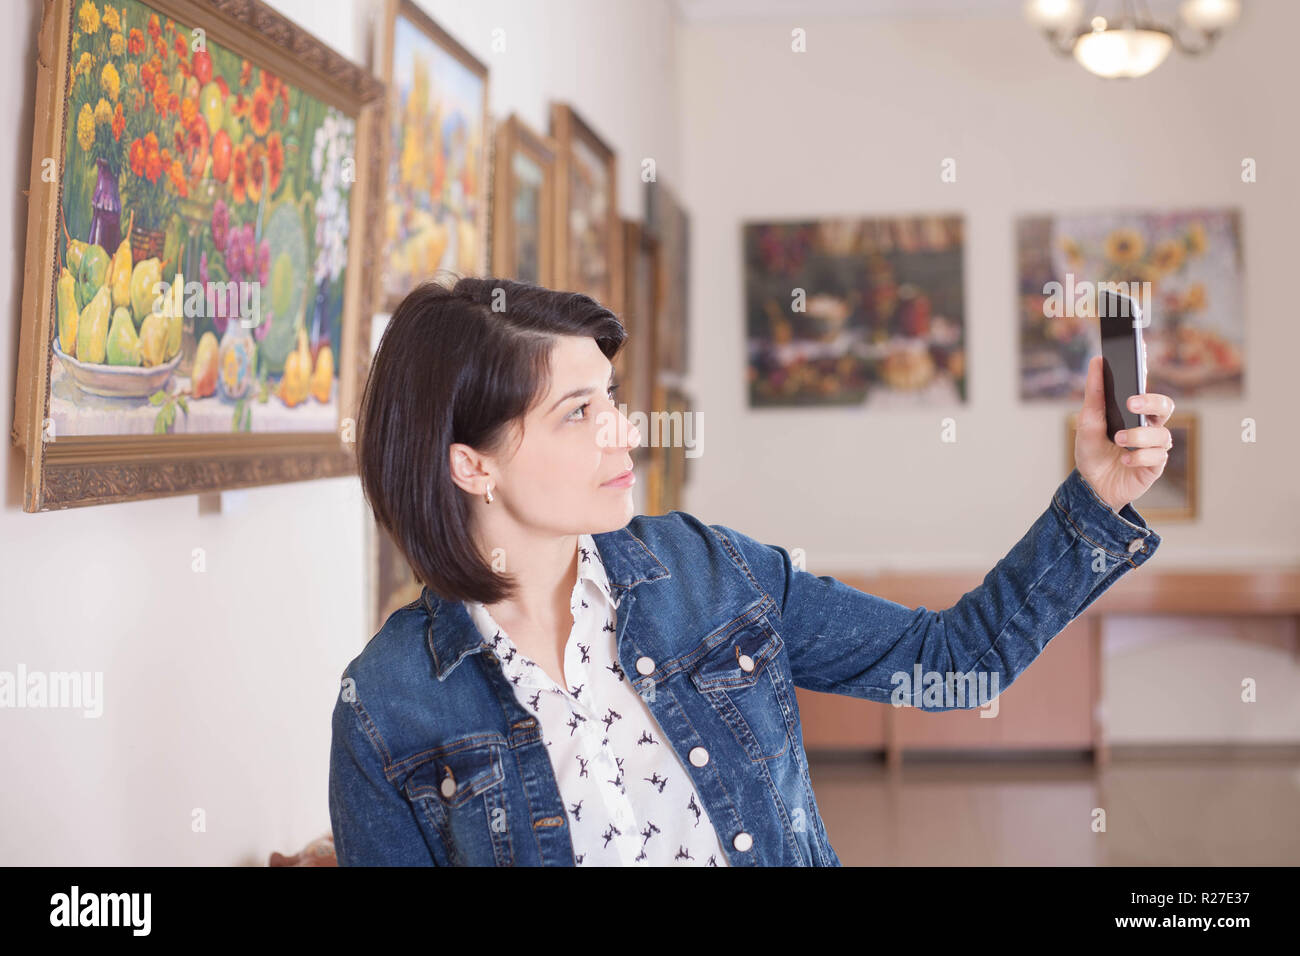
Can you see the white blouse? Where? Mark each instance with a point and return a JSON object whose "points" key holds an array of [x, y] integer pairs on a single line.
{"points": [[628, 796]]}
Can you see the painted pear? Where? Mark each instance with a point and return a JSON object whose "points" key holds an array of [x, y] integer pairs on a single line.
{"points": [[92, 328], [322, 379], [68, 313], [76, 249], [123, 343], [144, 279], [295, 385], [119, 275], [173, 324], [91, 275], [203, 378], [153, 339]]}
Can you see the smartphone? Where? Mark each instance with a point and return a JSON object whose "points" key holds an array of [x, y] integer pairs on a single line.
{"points": [[1124, 359]]}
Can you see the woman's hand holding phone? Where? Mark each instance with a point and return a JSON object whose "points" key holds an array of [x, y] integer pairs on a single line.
{"points": [[1117, 475]]}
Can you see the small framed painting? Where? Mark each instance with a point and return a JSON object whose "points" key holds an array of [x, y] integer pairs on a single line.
{"points": [[588, 226], [634, 366], [1175, 496], [523, 227], [436, 178], [673, 439], [198, 252], [667, 221]]}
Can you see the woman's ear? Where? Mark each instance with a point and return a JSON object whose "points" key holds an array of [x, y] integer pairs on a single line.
{"points": [[470, 470]]}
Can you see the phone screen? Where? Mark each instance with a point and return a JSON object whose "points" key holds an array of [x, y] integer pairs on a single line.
{"points": [[1123, 359]]}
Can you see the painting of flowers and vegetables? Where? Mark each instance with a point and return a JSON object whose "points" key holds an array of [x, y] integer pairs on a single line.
{"points": [[190, 265], [197, 165], [437, 173], [1184, 268], [855, 311]]}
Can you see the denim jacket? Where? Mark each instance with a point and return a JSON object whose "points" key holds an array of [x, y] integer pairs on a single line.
{"points": [[434, 762]]}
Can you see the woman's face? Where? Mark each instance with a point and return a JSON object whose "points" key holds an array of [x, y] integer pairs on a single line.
{"points": [[574, 441]]}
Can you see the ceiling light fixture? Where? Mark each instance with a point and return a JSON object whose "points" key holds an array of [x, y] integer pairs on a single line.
{"points": [[1131, 43]]}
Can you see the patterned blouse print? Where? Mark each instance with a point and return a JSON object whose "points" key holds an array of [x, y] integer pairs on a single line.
{"points": [[629, 798]]}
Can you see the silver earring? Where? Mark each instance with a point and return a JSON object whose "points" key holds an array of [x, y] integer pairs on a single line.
{"points": [[488, 496]]}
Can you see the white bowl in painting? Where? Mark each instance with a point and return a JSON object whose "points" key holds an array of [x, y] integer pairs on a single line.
{"points": [[117, 381]]}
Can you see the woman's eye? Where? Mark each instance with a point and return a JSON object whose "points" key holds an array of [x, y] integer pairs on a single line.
{"points": [[575, 417]]}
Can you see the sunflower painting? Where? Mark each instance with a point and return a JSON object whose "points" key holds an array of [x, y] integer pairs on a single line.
{"points": [[1188, 266]]}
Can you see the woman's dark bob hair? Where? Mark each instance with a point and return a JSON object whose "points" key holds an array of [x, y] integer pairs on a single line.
{"points": [[458, 364]]}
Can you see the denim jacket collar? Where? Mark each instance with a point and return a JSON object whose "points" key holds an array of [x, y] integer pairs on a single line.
{"points": [[451, 632]]}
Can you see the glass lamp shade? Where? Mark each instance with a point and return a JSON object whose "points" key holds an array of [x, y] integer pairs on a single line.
{"points": [[1210, 15], [1052, 15], [1122, 53]]}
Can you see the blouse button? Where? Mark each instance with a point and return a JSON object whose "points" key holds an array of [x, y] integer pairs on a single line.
{"points": [[645, 665], [699, 756], [448, 786], [742, 842], [746, 663]]}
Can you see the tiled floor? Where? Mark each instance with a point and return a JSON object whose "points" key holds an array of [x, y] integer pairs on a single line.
{"points": [[1158, 812]]}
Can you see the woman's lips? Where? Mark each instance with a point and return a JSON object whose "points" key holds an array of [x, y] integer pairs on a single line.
{"points": [[625, 480]]}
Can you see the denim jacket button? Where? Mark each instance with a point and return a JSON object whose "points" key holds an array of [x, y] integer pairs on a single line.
{"points": [[742, 842], [699, 756], [645, 665], [1134, 545], [746, 663], [448, 787]]}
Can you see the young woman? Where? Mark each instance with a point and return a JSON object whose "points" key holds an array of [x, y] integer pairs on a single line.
{"points": [[577, 685]]}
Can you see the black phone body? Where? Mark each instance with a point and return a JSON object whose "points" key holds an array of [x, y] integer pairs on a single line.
{"points": [[1124, 358]]}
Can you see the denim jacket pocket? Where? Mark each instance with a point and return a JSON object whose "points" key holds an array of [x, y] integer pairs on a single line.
{"points": [[739, 676], [459, 789]]}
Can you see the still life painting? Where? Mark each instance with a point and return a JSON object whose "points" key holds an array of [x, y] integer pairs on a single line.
{"points": [[195, 230], [855, 311]]}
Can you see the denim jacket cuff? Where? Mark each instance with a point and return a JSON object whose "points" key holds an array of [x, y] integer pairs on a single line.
{"points": [[1123, 535]]}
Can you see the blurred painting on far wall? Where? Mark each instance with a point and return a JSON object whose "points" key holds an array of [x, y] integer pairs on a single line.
{"points": [[855, 311], [1193, 262], [1175, 495]]}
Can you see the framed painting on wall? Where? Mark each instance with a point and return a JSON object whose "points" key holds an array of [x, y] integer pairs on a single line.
{"points": [[635, 364], [673, 437], [1184, 266], [197, 253], [666, 220], [436, 178], [523, 202], [856, 311], [588, 231], [1175, 495]]}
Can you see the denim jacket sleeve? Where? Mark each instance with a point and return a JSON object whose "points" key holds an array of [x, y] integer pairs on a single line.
{"points": [[373, 823], [843, 641]]}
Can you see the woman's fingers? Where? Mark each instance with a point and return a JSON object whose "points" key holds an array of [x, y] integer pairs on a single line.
{"points": [[1155, 406], [1145, 436], [1144, 456]]}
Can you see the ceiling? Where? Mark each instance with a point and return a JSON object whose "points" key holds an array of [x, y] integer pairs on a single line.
{"points": [[764, 9]]}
